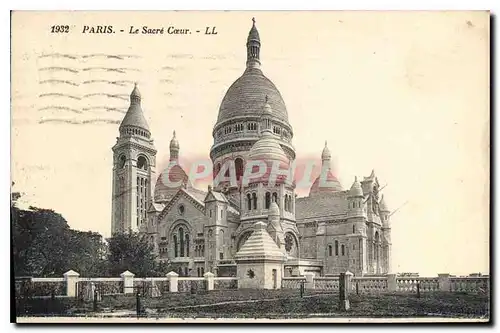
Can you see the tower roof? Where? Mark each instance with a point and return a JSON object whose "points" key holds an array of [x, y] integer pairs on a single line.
{"points": [[356, 190], [326, 182], [259, 246], [382, 205], [135, 116], [326, 155], [174, 144], [253, 35]]}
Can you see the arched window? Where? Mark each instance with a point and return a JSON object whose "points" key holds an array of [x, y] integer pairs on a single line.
{"points": [[238, 164], [249, 201], [175, 246], [202, 271], [268, 200], [217, 169], [187, 245], [275, 197], [254, 200], [181, 239], [343, 249], [353, 229], [286, 202], [330, 250], [142, 163], [336, 248], [123, 159]]}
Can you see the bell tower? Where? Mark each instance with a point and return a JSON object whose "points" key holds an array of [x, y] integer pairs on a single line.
{"points": [[134, 162]]}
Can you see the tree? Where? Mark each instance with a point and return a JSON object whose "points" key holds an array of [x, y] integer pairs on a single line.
{"points": [[44, 245], [133, 252]]}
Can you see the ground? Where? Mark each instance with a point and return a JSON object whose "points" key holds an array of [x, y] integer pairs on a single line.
{"points": [[288, 304]]}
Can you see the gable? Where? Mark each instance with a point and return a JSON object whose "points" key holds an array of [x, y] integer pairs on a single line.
{"points": [[188, 201]]}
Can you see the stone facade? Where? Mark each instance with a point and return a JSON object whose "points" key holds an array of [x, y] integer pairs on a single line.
{"points": [[330, 231]]}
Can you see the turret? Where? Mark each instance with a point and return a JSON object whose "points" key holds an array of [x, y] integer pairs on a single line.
{"points": [[134, 122], [384, 212], [355, 210], [174, 148], [326, 182], [253, 47]]}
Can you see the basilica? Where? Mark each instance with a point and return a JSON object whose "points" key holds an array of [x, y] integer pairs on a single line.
{"points": [[332, 230]]}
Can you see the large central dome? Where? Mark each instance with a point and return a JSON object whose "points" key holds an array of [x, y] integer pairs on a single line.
{"points": [[239, 122], [246, 96]]}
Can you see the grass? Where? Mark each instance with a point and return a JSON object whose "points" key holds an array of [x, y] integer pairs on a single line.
{"points": [[327, 305], [289, 304]]}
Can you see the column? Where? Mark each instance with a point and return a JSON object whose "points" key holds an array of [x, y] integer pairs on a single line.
{"points": [[128, 282], [71, 278], [209, 280], [173, 279]]}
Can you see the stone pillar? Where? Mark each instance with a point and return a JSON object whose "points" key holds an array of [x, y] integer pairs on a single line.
{"points": [[209, 280], [173, 279], [344, 292], [392, 284], [309, 280], [444, 282], [349, 276], [128, 282], [71, 278]]}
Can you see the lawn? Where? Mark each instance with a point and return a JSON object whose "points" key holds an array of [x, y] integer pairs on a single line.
{"points": [[289, 304], [327, 305]]}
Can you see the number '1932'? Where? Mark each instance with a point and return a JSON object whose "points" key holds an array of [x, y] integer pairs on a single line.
{"points": [[59, 29]]}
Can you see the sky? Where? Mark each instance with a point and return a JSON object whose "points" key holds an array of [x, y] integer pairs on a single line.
{"points": [[404, 93]]}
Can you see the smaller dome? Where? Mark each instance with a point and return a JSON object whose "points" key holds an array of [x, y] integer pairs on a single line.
{"points": [[166, 188], [326, 155], [274, 210], [174, 144], [356, 190], [332, 185], [382, 205], [268, 149]]}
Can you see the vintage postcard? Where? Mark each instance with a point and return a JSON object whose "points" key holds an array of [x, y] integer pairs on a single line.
{"points": [[259, 166]]}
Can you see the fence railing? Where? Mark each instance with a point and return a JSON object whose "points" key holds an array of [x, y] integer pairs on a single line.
{"points": [[391, 283], [72, 285], [292, 282]]}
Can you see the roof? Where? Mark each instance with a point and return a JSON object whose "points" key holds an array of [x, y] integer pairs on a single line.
{"points": [[259, 246], [214, 195], [135, 116], [382, 205], [331, 185], [165, 190], [323, 204], [157, 207], [326, 155], [197, 194], [246, 97], [356, 190], [254, 33], [267, 148]]}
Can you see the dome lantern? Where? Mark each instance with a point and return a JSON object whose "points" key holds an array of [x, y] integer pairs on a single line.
{"points": [[253, 47], [174, 148]]}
